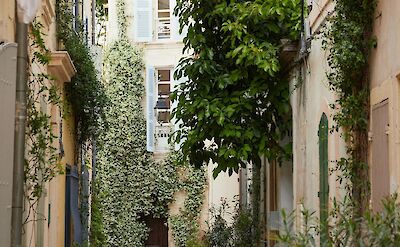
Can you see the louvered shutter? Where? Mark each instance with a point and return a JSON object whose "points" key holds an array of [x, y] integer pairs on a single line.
{"points": [[143, 20], [150, 108]]}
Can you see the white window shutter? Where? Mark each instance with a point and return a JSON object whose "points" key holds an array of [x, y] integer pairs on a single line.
{"points": [[150, 83], [174, 21], [143, 20], [175, 84], [175, 35]]}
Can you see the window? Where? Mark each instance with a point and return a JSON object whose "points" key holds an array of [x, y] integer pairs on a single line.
{"points": [[163, 105], [159, 85], [163, 19], [154, 20]]}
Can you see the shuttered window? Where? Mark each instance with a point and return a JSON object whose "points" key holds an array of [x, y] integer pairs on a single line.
{"points": [[143, 20], [163, 21]]}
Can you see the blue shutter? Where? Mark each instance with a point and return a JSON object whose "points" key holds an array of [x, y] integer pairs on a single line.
{"points": [[72, 215], [143, 20], [150, 83]]}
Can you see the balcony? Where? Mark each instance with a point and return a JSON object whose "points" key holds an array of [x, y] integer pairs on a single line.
{"points": [[163, 28], [162, 134]]}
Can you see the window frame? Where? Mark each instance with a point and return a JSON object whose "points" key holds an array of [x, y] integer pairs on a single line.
{"points": [[166, 19], [168, 96]]}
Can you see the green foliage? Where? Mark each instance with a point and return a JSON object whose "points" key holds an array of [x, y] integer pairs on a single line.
{"points": [[191, 180], [240, 234], [235, 93], [349, 41], [97, 236], [42, 161], [244, 234], [305, 236], [102, 18], [131, 184], [195, 242], [379, 229], [85, 93], [128, 175]]}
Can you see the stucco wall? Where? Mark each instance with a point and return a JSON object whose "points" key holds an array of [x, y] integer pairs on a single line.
{"points": [[7, 21], [310, 98], [224, 188], [385, 62], [384, 82]]}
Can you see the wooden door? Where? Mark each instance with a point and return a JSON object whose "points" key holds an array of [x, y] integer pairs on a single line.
{"points": [[380, 174], [158, 235]]}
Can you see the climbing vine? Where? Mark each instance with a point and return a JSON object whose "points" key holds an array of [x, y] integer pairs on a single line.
{"points": [[102, 17], [42, 159], [186, 225], [132, 186], [126, 172], [348, 37], [85, 93]]}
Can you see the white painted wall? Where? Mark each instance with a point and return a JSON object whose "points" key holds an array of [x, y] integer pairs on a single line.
{"points": [[223, 188]]}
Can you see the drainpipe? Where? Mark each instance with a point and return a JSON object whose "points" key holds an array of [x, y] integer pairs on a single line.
{"points": [[19, 135], [93, 22]]}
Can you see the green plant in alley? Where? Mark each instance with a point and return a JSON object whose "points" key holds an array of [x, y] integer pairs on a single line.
{"points": [[379, 228], [97, 236], [185, 225], [85, 93], [236, 94], [237, 234], [128, 177], [131, 184], [348, 37], [42, 159]]}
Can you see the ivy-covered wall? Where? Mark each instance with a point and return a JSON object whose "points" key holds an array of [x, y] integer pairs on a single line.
{"points": [[131, 185]]}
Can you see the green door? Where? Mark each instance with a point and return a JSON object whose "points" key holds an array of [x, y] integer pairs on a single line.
{"points": [[323, 169]]}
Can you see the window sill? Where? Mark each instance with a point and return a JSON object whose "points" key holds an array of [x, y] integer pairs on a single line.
{"points": [[61, 66]]}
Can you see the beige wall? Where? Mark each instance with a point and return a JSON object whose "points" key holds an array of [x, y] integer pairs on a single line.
{"points": [[310, 98], [384, 81], [7, 21], [313, 97], [51, 231]]}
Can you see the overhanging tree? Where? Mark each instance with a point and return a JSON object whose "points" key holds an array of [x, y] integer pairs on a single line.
{"points": [[236, 93]]}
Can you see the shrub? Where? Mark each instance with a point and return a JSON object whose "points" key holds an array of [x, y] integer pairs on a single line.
{"points": [[241, 233], [344, 229]]}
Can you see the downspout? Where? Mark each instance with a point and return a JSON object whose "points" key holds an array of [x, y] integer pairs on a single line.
{"points": [[19, 135], [93, 22]]}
